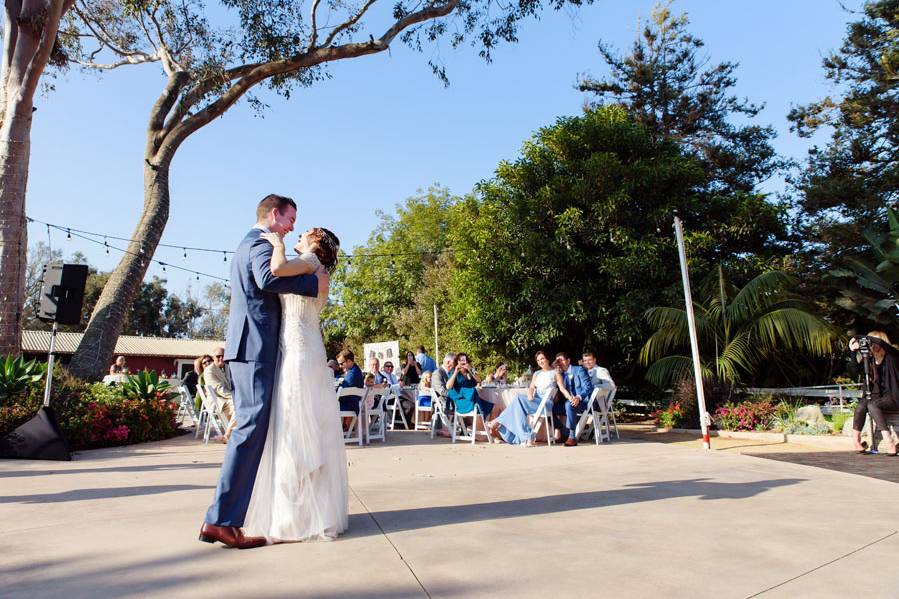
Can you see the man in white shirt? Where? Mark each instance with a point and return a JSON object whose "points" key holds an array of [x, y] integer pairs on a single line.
{"points": [[216, 375], [598, 374]]}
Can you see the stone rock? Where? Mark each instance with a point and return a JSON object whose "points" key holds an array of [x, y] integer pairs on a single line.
{"points": [[810, 415]]}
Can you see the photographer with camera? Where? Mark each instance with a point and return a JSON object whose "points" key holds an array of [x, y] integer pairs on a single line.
{"points": [[881, 391]]}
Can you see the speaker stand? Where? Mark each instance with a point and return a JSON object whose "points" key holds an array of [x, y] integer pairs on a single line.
{"points": [[50, 360]]}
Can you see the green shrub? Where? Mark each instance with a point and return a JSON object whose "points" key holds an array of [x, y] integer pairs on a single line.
{"points": [[145, 385], [16, 375], [838, 421], [94, 415]]}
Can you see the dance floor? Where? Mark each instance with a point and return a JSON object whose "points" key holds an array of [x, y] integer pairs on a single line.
{"points": [[430, 519]]}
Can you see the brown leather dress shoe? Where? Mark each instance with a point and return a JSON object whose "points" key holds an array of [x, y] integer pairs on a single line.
{"points": [[569, 442], [230, 536]]}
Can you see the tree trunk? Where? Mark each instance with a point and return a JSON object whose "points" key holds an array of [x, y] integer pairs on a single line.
{"points": [[94, 353], [15, 135], [28, 37]]}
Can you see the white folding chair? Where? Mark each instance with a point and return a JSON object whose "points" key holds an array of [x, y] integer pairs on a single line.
{"points": [[374, 419], [459, 430], [421, 425], [438, 412], [214, 420], [544, 416], [393, 402], [349, 436], [610, 410], [186, 407], [596, 416]]}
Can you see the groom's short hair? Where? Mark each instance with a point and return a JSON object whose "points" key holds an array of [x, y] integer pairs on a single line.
{"points": [[273, 200]]}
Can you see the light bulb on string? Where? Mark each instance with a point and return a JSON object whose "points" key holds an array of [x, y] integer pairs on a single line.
{"points": [[224, 256], [68, 233], [106, 245], [163, 266], [185, 253]]}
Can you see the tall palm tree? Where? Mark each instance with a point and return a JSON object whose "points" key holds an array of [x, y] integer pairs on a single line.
{"points": [[737, 330]]}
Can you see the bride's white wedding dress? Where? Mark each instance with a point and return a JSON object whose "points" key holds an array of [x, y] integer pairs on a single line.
{"points": [[300, 492]]}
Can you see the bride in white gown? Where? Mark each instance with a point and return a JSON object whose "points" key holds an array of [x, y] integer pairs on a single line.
{"points": [[300, 493]]}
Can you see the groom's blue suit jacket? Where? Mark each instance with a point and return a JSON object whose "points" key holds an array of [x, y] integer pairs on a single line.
{"points": [[255, 317]]}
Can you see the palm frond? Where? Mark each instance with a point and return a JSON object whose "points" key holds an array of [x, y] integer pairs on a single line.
{"points": [[738, 357], [758, 293], [671, 369], [794, 329]]}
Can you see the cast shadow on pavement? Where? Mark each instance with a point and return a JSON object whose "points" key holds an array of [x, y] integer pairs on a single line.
{"points": [[702, 488], [99, 493]]}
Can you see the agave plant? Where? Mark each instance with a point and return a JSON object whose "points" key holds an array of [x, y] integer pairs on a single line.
{"points": [[146, 385], [16, 374], [737, 330]]}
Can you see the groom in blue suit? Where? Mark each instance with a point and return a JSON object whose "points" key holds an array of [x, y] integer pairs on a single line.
{"points": [[580, 387], [251, 350]]}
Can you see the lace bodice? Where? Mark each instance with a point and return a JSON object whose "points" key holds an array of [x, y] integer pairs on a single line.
{"points": [[544, 380], [301, 319]]}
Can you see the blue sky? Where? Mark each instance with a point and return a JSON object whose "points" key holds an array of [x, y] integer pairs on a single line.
{"points": [[383, 127]]}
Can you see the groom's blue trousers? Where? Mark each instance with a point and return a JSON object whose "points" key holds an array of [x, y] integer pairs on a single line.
{"points": [[253, 383]]}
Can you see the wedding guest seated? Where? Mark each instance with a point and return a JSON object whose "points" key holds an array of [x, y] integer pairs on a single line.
{"points": [[374, 368], [352, 377], [460, 388], [191, 377], [119, 366], [411, 370], [216, 375], [387, 375], [423, 396], [498, 376], [598, 374], [578, 387], [438, 382], [425, 361], [884, 379], [335, 368]]}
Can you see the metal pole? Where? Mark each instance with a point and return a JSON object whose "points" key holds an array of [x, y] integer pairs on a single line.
{"points": [[694, 344], [50, 360], [436, 346]]}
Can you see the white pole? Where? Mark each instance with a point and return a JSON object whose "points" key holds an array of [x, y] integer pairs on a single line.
{"points": [[50, 360], [436, 346], [694, 344]]}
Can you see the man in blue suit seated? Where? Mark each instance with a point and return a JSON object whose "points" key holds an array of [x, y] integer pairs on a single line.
{"points": [[352, 378], [579, 385]]}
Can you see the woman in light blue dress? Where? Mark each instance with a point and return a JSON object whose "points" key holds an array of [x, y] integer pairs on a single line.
{"points": [[514, 425]]}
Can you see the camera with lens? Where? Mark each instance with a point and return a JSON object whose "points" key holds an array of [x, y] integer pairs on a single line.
{"points": [[864, 346]]}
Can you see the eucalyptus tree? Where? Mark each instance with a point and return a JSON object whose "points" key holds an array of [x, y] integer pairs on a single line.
{"points": [[208, 67], [29, 45]]}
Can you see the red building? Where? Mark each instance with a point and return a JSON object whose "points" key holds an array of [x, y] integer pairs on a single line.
{"points": [[170, 356]]}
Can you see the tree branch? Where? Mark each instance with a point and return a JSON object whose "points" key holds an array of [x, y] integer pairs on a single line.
{"points": [[349, 22], [250, 75], [314, 37], [45, 47], [100, 33], [126, 60]]}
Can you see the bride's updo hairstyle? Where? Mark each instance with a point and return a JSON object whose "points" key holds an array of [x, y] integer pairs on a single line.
{"points": [[326, 246]]}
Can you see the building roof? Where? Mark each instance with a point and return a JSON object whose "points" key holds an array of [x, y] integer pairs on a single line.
{"points": [[38, 342]]}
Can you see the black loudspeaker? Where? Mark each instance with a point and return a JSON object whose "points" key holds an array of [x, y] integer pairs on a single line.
{"points": [[62, 293], [37, 439]]}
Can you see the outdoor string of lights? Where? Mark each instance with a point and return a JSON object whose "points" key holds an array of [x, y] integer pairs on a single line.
{"points": [[103, 240]]}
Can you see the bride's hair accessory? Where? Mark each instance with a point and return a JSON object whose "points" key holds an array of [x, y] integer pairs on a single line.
{"points": [[327, 246]]}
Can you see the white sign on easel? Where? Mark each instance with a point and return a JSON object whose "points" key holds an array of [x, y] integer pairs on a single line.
{"points": [[383, 351]]}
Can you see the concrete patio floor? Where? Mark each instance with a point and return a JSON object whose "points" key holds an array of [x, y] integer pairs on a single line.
{"points": [[431, 519]]}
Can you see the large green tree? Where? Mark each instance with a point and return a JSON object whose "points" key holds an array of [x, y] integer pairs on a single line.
{"points": [[668, 86], [569, 244], [387, 289], [210, 61], [848, 184]]}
